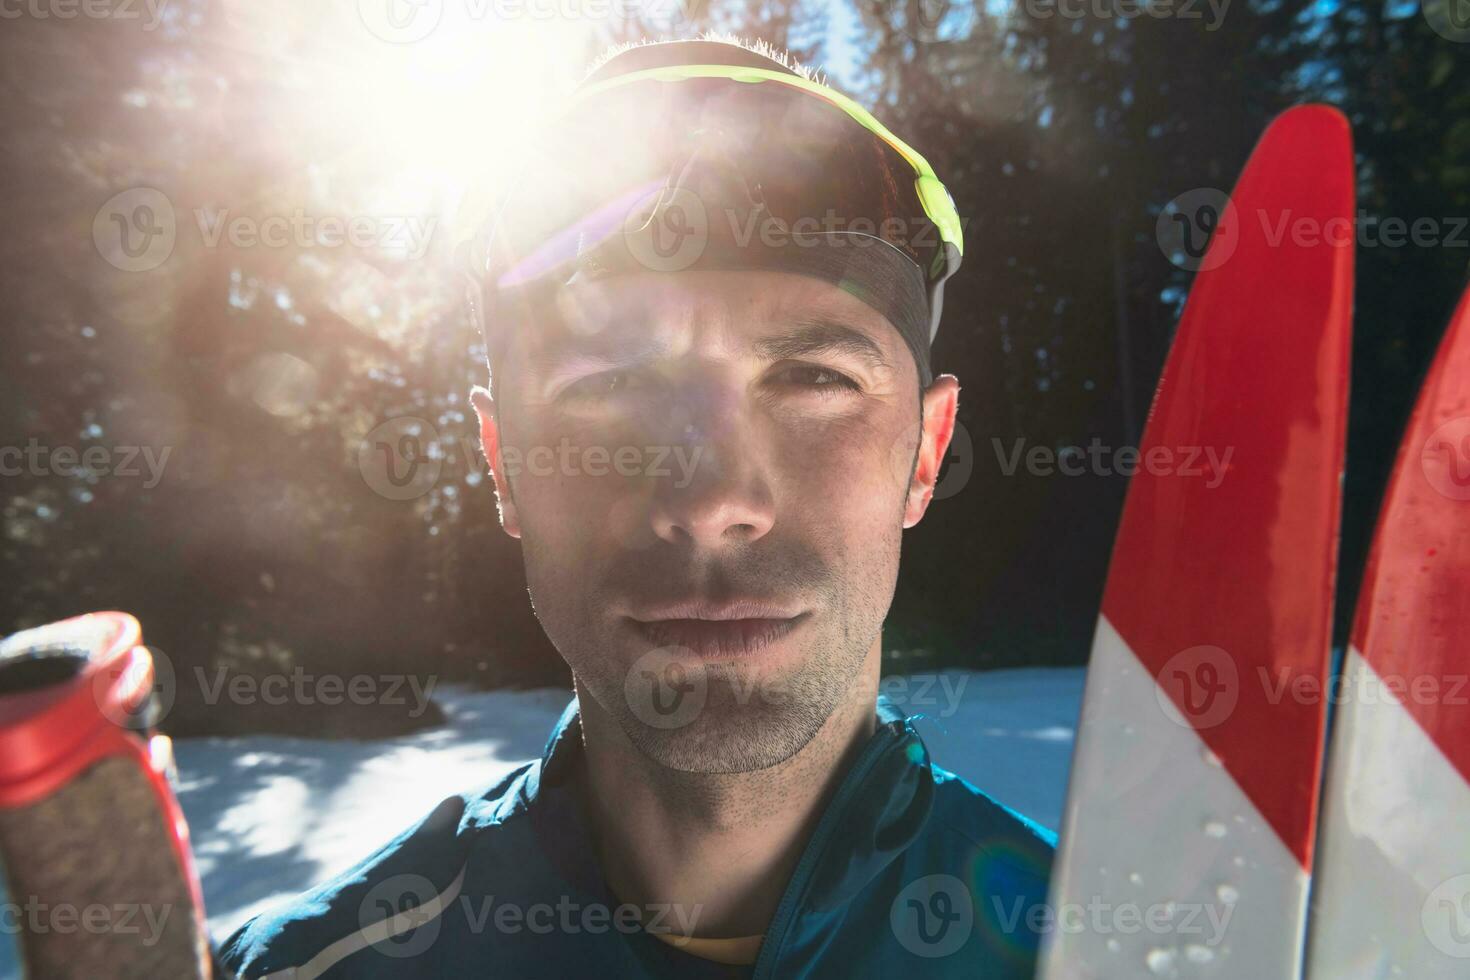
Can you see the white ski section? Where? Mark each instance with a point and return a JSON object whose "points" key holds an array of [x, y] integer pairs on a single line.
{"points": [[1392, 896], [1166, 868]]}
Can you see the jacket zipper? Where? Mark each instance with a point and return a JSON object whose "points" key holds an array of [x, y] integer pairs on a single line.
{"points": [[786, 908]]}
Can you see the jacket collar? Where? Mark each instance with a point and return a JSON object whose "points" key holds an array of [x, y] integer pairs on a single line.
{"points": [[878, 808]]}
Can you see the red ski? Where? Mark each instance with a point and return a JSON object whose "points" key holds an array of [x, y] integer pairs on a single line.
{"points": [[1393, 895], [1186, 846]]}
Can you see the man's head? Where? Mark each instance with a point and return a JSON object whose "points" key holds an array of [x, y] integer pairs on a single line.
{"points": [[710, 469]]}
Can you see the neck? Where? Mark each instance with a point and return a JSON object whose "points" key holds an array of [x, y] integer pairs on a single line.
{"points": [[717, 847]]}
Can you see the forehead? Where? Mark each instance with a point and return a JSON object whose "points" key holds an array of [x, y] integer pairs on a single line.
{"points": [[713, 313]]}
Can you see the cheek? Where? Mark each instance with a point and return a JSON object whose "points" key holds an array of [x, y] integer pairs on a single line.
{"points": [[579, 490], [849, 471]]}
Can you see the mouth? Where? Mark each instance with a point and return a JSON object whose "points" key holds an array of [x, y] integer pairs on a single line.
{"points": [[718, 632]]}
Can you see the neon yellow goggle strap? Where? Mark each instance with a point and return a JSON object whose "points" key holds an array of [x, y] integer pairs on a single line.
{"points": [[933, 196]]}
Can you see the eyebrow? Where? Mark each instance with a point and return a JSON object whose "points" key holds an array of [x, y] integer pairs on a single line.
{"points": [[568, 352], [820, 335], [810, 336]]}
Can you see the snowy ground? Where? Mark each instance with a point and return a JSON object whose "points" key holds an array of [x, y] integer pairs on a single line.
{"points": [[272, 816]]}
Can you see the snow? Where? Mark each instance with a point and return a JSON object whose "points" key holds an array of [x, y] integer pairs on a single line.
{"points": [[271, 816]]}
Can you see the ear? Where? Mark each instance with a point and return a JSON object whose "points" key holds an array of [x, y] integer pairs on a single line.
{"points": [[941, 401], [490, 445]]}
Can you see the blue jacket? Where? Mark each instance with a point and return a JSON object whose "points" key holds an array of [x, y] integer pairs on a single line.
{"points": [[911, 872]]}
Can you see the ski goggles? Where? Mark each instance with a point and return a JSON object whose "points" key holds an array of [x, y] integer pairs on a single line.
{"points": [[728, 167]]}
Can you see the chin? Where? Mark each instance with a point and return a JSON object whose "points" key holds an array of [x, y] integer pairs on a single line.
{"points": [[732, 722]]}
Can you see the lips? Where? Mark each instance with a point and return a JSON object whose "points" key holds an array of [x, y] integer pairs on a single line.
{"points": [[718, 631]]}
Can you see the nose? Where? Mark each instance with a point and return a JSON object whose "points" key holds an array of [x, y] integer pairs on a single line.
{"points": [[717, 494]]}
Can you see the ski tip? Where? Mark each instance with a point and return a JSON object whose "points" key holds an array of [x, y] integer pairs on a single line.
{"points": [[1311, 116], [1313, 131], [1422, 515]]}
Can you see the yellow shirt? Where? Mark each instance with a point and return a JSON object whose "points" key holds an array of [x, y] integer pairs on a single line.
{"points": [[739, 951]]}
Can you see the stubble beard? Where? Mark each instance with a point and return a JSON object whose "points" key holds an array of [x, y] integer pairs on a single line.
{"points": [[754, 717]]}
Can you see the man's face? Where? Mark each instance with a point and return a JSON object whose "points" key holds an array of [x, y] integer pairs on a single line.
{"points": [[710, 473]]}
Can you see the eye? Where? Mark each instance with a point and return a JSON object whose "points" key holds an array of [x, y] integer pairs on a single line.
{"points": [[811, 376], [603, 386]]}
